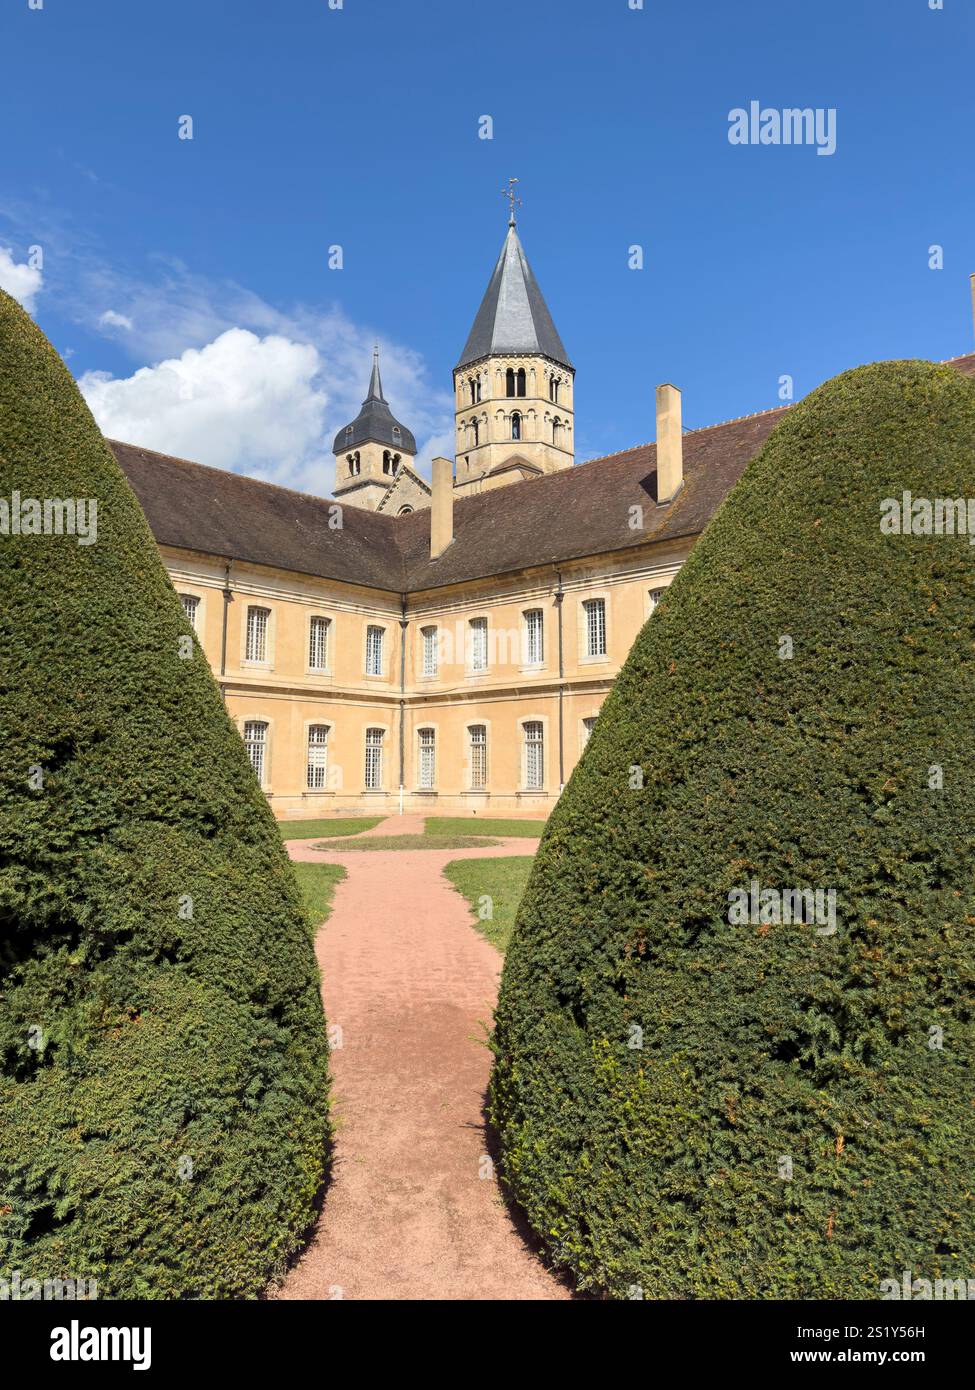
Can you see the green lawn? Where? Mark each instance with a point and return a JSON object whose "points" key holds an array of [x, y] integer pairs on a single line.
{"points": [[385, 842], [317, 883], [473, 825], [500, 880], [338, 825]]}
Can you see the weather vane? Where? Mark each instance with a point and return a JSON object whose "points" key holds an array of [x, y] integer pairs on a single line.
{"points": [[512, 198]]}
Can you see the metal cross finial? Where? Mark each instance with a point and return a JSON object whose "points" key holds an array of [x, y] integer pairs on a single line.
{"points": [[513, 199]]}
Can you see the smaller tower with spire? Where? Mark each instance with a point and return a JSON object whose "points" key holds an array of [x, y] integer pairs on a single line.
{"points": [[372, 452], [514, 383]]}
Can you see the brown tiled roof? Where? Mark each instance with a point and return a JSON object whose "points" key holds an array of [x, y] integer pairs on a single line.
{"points": [[196, 508], [582, 511], [965, 365], [585, 510]]}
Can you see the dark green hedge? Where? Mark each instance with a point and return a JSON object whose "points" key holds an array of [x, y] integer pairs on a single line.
{"points": [[170, 1137], [658, 1169]]}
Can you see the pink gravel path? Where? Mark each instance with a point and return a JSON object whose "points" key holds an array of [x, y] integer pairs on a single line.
{"points": [[408, 824], [413, 1210]]}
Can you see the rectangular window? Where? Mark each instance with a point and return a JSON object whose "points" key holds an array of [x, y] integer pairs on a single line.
{"points": [[257, 621], [374, 760], [318, 644], [428, 759], [317, 757], [191, 605], [534, 637], [255, 741], [478, 753], [478, 628], [374, 651], [430, 651], [587, 727], [595, 611], [655, 596], [534, 756]]}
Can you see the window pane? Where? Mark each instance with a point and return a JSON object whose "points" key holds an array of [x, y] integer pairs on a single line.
{"points": [[427, 758], [534, 756], [429, 651], [374, 759], [534, 637], [595, 626], [587, 727], [318, 644], [478, 754], [374, 651], [190, 606], [255, 741], [655, 596], [256, 649], [317, 757], [479, 646]]}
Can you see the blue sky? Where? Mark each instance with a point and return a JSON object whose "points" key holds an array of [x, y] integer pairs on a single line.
{"points": [[187, 282]]}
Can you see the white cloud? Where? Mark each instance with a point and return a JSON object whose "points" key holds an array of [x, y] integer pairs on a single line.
{"points": [[22, 281], [221, 375], [270, 405], [245, 386], [251, 404], [110, 319]]}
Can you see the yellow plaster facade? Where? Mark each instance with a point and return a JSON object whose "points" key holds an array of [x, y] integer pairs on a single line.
{"points": [[466, 682]]}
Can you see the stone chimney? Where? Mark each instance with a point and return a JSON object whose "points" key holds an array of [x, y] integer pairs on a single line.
{"points": [[442, 507], [670, 444]]}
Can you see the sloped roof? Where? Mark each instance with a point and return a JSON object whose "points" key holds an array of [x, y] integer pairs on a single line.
{"points": [[585, 510], [192, 507], [513, 316], [544, 521], [404, 476]]}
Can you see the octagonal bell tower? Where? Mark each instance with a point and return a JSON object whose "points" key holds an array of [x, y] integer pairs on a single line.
{"points": [[371, 453], [514, 383]]}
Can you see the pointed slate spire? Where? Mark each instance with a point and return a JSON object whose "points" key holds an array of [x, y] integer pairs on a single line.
{"points": [[376, 384], [375, 422], [513, 316]]}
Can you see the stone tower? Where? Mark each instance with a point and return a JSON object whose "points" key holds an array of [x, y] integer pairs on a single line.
{"points": [[513, 385], [372, 452]]}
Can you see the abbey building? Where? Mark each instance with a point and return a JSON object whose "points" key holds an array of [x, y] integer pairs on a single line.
{"points": [[446, 645]]}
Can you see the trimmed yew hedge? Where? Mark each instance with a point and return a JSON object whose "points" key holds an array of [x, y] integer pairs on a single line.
{"points": [[163, 1066], [665, 1169]]}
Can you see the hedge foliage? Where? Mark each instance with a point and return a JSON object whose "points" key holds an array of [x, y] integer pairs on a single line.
{"points": [[163, 1066], [664, 1169]]}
